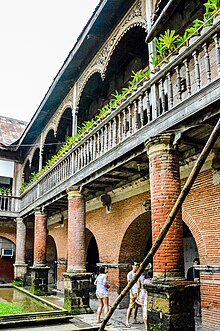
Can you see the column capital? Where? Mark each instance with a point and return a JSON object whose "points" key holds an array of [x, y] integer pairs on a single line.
{"points": [[39, 212], [19, 220], [74, 191], [160, 144]]}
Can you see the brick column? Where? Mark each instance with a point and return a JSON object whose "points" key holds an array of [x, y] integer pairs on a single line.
{"points": [[39, 274], [165, 189], [20, 267], [76, 279], [175, 307], [40, 233], [76, 231]]}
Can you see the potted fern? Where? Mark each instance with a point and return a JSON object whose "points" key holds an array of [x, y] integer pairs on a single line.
{"points": [[212, 9]]}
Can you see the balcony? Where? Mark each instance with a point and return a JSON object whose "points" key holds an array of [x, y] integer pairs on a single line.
{"points": [[182, 97], [9, 205]]}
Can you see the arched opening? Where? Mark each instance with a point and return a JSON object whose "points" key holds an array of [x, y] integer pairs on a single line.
{"points": [[51, 260], [135, 245], [7, 259], [64, 128], [94, 97], [129, 55], [92, 258], [190, 248], [27, 171], [35, 161], [92, 252], [50, 147]]}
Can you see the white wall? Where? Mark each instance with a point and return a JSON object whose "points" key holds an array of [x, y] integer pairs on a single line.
{"points": [[6, 168], [190, 252]]}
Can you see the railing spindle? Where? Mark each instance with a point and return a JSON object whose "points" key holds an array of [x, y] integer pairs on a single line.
{"points": [[163, 104], [141, 110], [148, 106], [124, 124], [188, 82], [197, 71], [170, 91], [178, 83], [207, 62], [217, 51], [135, 116]]}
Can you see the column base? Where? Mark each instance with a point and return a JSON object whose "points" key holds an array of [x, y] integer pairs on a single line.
{"points": [[170, 305], [20, 271], [76, 292], [39, 280]]}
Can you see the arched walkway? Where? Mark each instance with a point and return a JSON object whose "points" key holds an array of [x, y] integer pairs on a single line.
{"points": [[51, 260], [135, 245], [92, 257]]}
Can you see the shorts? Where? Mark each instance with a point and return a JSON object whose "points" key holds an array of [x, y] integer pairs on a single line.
{"points": [[101, 295], [132, 303]]}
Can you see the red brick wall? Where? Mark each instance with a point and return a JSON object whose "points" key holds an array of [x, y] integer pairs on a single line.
{"points": [[109, 228], [201, 212]]}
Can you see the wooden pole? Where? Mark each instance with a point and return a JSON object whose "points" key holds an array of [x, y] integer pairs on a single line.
{"points": [[178, 204]]}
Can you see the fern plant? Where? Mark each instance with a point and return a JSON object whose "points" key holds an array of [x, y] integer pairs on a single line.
{"points": [[212, 7], [87, 125]]}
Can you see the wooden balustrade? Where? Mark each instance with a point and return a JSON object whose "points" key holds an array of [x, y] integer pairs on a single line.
{"points": [[187, 74], [8, 202]]}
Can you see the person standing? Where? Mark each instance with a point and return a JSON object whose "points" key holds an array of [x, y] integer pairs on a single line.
{"points": [[148, 279], [194, 275], [102, 286], [133, 296]]}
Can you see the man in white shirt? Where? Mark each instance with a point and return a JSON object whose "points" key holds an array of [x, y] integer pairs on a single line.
{"points": [[133, 295]]}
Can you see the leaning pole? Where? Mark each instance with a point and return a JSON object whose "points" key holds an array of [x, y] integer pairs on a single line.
{"points": [[178, 204]]}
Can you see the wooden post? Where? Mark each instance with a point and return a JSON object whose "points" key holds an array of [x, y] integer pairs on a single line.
{"points": [[183, 194]]}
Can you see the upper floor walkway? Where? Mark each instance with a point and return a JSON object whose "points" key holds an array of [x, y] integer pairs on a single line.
{"points": [[182, 96]]}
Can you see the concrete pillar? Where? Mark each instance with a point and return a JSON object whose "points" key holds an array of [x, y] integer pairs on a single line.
{"points": [[76, 279], [39, 274], [20, 267], [169, 299]]}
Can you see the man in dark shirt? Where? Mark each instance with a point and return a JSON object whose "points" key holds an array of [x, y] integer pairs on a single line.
{"points": [[193, 275]]}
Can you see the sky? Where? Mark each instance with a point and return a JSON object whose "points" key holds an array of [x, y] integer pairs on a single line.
{"points": [[36, 37]]}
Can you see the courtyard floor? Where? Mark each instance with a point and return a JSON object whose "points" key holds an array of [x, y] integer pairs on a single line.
{"points": [[85, 320]]}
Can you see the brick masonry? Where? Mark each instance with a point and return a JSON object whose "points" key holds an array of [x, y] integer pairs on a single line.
{"points": [[121, 236]]}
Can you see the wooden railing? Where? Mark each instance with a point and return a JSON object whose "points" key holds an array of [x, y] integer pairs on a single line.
{"points": [[8, 203], [186, 75]]}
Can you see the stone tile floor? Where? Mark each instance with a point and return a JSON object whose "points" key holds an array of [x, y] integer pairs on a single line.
{"points": [[86, 320]]}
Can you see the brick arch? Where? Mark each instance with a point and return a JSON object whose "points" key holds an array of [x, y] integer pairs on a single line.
{"points": [[90, 232], [196, 233], [134, 241], [51, 257], [51, 248], [8, 236], [92, 253]]}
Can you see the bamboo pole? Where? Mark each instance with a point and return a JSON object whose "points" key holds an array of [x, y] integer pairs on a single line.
{"points": [[178, 204]]}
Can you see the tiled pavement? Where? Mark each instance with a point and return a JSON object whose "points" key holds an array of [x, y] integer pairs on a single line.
{"points": [[86, 320]]}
